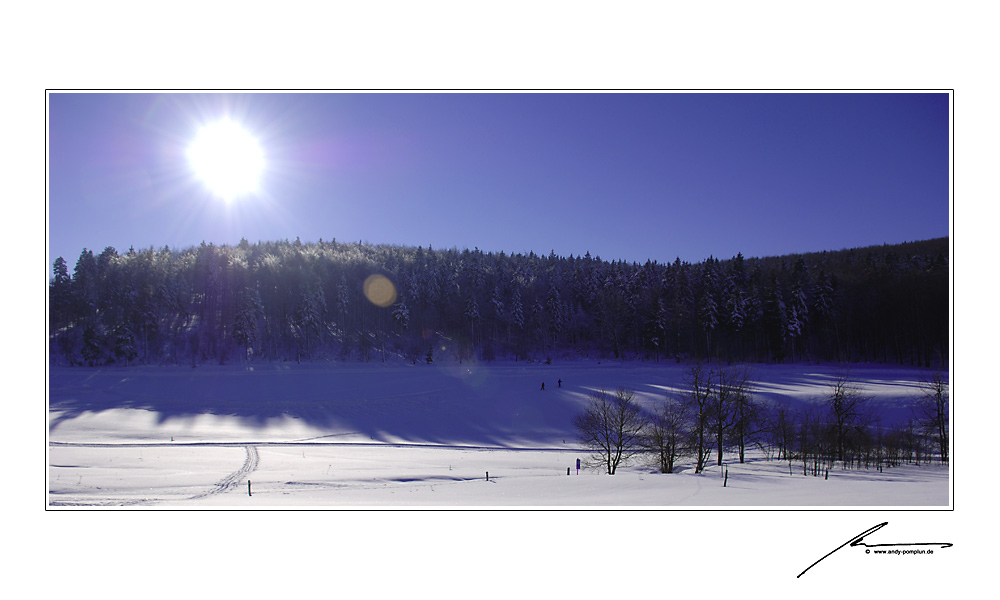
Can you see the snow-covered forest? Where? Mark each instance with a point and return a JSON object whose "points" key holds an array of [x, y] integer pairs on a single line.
{"points": [[293, 301]]}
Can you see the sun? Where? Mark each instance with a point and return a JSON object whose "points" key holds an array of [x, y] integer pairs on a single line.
{"points": [[227, 158]]}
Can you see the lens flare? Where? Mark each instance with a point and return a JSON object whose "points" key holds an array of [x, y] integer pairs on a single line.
{"points": [[380, 291]]}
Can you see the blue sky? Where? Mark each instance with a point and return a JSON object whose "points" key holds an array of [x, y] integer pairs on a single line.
{"points": [[621, 175]]}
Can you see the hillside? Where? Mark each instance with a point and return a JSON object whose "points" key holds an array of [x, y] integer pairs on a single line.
{"points": [[293, 301]]}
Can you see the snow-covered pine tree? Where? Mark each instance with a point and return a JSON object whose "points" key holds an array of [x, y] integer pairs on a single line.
{"points": [[555, 313], [124, 344], [248, 313], [401, 315], [472, 314], [775, 320], [798, 316]]}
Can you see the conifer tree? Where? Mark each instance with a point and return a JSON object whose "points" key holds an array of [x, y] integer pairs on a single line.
{"points": [[60, 295]]}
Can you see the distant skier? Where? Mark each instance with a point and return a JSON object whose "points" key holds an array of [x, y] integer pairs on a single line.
{"points": [[560, 383], [250, 493], [543, 386]]}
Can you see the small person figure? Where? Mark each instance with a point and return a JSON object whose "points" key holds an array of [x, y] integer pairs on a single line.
{"points": [[543, 386], [249, 493], [560, 383]]}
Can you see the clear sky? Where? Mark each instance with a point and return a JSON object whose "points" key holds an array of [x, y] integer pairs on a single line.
{"points": [[630, 176]]}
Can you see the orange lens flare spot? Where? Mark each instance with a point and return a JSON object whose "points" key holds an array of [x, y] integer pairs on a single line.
{"points": [[380, 291]]}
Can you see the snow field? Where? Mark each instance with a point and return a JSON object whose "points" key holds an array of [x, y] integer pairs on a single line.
{"points": [[396, 476], [130, 476], [373, 436]]}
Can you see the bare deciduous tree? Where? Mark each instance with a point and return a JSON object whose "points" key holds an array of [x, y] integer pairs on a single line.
{"points": [[847, 407], [932, 410], [732, 408], [781, 429], [748, 415], [611, 427], [668, 433], [700, 381]]}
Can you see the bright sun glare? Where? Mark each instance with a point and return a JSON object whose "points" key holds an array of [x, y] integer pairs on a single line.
{"points": [[227, 159]]}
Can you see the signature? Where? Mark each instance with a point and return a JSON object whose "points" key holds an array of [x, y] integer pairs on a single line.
{"points": [[858, 540]]}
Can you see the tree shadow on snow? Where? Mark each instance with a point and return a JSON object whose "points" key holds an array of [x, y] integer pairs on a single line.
{"points": [[422, 404]]}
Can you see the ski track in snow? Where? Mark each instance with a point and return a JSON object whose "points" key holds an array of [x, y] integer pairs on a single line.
{"points": [[233, 479], [225, 484]]}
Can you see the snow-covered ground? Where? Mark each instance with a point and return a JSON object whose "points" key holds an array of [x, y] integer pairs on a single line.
{"points": [[374, 435]]}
